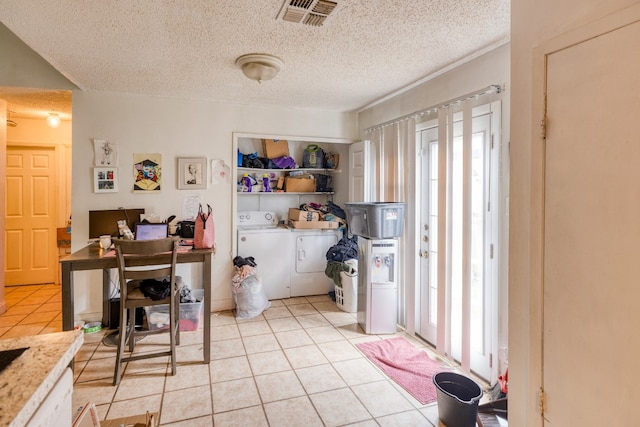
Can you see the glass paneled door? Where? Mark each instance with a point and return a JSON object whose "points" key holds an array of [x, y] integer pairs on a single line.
{"points": [[458, 197], [428, 229]]}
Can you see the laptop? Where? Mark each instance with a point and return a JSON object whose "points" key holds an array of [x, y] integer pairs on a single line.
{"points": [[150, 231]]}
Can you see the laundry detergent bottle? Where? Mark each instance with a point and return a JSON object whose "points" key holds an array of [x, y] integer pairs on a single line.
{"points": [[265, 182], [246, 181]]}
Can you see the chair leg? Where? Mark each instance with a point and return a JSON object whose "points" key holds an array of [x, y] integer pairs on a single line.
{"points": [[177, 314], [117, 373], [174, 330], [131, 328]]}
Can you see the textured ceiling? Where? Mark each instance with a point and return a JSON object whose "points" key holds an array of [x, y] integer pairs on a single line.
{"points": [[187, 48]]}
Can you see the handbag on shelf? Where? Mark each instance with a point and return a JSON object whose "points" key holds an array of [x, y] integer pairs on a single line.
{"points": [[204, 236]]}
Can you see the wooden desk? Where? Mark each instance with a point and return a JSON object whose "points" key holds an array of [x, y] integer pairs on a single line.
{"points": [[92, 258]]}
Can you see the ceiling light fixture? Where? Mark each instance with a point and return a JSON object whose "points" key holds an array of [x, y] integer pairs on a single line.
{"points": [[260, 66], [53, 120]]}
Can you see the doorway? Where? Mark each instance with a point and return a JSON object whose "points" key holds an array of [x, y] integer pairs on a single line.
{"points": [[30, 221]]}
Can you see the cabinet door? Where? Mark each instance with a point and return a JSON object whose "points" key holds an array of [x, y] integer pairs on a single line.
{"points": [[307, 276], [272, 253]]}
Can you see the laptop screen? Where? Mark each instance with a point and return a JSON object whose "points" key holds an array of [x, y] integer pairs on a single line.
{"points": [[147, 231]]}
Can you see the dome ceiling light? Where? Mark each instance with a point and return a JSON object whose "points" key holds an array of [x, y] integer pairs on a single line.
{"points": [[53, 120], [260, 66]]}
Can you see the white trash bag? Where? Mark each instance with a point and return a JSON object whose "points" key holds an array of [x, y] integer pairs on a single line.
{"points": [[250, 298], [248, 292]]}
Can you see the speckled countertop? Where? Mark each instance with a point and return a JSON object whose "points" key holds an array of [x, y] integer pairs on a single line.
{"points": [[25, 383]]}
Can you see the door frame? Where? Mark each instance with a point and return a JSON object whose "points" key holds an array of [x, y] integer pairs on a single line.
{"points": [[533, 382]]}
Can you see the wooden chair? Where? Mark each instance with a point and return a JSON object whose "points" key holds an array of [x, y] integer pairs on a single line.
{"points": [[130, 254]]}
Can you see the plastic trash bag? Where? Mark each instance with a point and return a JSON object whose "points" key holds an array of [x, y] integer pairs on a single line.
{"points": [[250, 297]]}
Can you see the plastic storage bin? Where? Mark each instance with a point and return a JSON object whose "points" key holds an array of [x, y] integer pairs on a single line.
{"points": [[347, 295], [376, 220], [458, 398], [190, 314]]}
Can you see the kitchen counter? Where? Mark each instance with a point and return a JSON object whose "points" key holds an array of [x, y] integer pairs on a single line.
{"points": [[27, 381]]}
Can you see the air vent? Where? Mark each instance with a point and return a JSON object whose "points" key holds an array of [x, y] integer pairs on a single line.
{"points": [[314, 13]]}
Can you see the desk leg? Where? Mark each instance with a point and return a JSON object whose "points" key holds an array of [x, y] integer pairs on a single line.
{"points": [[106, 302], [206, 282], [67, 297]]}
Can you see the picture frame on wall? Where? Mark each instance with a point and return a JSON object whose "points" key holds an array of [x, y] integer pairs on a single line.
{"points": [[192, 173], [105, 180]]}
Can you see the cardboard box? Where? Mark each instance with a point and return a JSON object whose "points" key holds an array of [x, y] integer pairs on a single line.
{"points": [[274, 148], [320, 225], [86, 416], [302, 184], [300, 215]]}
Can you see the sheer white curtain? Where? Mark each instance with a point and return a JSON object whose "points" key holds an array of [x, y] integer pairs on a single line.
{"points": [[394, 177]]}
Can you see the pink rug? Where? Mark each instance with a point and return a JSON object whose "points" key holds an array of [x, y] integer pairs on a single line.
{"points": [[405, 364]]}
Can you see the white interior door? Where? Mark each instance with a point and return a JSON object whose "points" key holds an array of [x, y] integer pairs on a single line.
{"points": [[30, 216], [591, 231], [359, 183]]}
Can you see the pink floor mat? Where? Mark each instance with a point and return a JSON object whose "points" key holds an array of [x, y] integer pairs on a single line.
{"points": [[408, 366]]}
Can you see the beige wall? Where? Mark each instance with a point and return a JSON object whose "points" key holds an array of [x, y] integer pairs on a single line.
{"points": [[488, 69], [532, 24], [3, 187]]}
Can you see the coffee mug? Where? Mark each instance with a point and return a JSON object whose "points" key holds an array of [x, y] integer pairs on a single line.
{"points": [[105, 241]]}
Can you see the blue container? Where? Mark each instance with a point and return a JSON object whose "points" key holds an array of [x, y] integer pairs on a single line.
{"points": [[458, 398]]}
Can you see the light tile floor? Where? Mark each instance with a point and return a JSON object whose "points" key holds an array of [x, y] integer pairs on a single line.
{"points": [[294, 365]]}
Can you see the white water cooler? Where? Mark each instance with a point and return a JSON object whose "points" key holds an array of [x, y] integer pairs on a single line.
{"points": [[378, 285], [377, 225]]}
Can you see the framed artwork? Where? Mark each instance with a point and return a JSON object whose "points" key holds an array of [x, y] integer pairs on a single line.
{"points": [[147, 172], [105, 153], [105, 180], [192, 173]]}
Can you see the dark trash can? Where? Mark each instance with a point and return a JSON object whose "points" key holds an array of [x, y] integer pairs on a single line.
{"points": [[458, 398]]}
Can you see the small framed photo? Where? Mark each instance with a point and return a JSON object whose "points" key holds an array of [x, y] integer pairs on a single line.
{"points": [[105, 180], [192, 173]]}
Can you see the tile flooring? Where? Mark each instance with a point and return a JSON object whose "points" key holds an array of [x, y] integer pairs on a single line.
{"points": [[294, 365]]}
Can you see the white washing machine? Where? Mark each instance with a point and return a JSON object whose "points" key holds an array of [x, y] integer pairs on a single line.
{"points": [[290, 262], [260, 237]]}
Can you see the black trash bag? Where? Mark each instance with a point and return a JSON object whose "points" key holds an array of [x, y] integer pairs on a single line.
{"points": [[240, 261]]}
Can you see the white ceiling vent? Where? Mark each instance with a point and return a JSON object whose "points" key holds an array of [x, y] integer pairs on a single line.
{"points": [[308, 12]]}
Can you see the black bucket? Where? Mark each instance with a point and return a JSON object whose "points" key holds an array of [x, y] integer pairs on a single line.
{"points": [[458, 398]]}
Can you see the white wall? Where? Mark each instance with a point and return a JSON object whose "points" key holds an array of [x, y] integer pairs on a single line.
{"points": [[174, 128], [532, 24]]}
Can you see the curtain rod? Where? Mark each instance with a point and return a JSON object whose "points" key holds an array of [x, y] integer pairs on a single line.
{"points": [[486, 91]]}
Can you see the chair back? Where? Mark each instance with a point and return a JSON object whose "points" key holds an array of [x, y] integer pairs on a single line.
{"points": [[131, 254]]}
